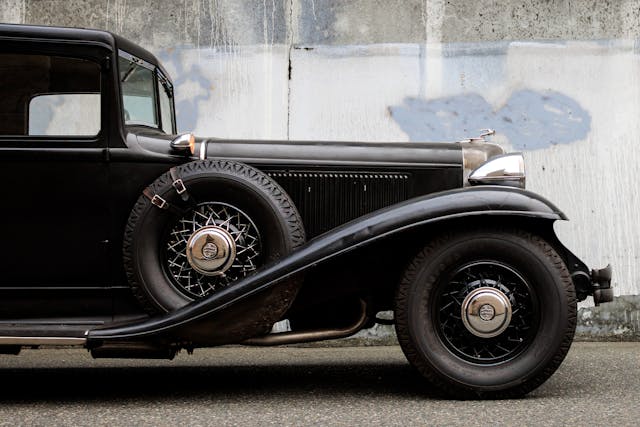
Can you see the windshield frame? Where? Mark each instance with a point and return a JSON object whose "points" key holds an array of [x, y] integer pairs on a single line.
{"points": [[167, 87], [158, 78]]}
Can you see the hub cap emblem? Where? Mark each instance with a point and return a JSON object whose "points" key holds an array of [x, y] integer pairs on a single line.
{"points": [[209, 250], [487, 312]]}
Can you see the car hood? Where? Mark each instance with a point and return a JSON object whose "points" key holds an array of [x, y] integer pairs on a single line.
{"points": [[314, 153]]}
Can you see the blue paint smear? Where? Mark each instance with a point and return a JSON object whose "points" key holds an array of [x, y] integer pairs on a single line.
{"points": [[531, 120], [186, 109]]}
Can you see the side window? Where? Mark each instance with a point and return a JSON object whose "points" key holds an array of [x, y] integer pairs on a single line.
{"points": [[44, 95], [73, 114]]}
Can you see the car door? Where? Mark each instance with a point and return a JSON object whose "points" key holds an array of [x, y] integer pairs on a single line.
{"points": [[53, 173]]}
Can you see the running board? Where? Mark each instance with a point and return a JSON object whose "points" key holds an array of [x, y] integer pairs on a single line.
{"points": [[29, 341], [48, 332]]}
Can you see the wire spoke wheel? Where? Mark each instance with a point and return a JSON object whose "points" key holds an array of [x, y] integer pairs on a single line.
{"points": [[240, 243], [488, 312], [462, 333]]}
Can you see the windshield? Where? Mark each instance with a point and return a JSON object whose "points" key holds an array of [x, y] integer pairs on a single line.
{"points": [[140, 83]]}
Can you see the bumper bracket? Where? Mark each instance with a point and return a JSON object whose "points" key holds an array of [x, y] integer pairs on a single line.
{"points": [[601, 283]]}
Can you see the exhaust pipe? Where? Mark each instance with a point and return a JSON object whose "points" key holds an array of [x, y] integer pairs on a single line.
{"points": [[310, 336]]}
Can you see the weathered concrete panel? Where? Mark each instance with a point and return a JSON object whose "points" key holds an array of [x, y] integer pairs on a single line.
{"points": [[487, 20], [337, 22], [618, 320], [215, 23], [200, 23], [12, 11]]}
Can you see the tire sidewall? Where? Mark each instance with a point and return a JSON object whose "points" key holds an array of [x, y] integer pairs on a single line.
{"points": [[552, 302]]}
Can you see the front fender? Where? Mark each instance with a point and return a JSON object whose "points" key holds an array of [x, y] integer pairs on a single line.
{"points": [[465, 202]]}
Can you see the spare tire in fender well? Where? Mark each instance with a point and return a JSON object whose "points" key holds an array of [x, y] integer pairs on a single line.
{"points": [[228, 199]]}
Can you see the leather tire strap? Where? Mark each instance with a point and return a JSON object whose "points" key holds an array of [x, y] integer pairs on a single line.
{"points": [[161, 203], [178, 184]]}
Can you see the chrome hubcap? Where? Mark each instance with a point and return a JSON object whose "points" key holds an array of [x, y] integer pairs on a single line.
{"points": [[211, 250], [486, 312], [211, 246]]}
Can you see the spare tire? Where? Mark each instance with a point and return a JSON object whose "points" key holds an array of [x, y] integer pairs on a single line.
{"points": [[231, 220]]}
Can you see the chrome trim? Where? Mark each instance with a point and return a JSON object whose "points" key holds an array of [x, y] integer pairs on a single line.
{"points": [[487, 132], [42, 341], [486, 312], [309, 336], [203, 150], [479, 139], [134, 59], [507, 170], [181, 142], [475, 154], [365, 175]]}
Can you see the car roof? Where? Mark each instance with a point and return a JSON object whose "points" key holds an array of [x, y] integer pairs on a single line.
{"points": [[109, 39]]}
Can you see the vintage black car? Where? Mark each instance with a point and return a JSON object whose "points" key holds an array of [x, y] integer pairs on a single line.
{"points": [[126, 238]]}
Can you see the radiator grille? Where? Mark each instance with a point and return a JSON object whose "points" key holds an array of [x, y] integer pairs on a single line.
{"points": [[328, 199]]}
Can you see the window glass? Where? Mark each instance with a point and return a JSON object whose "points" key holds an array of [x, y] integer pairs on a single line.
{"points": [[76, 114], [43, 95], [166, 110], [138, 93]]}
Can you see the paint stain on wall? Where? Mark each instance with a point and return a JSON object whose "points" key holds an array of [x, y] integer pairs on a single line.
{"points": [[530, 119], [186, 106]]}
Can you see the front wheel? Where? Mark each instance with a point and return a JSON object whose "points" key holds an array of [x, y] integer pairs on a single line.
{"points": [[487, 314]]}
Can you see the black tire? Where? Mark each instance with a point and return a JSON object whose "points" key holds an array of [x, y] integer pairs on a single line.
{"points": [[212, 182], [457, 362]]}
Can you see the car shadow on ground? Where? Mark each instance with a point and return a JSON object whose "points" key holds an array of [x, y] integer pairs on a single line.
{"points": [[248, 374], [219, 382]]}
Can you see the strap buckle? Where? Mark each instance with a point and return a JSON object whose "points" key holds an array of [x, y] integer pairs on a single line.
{"points": [[159, 202], [179, 186]]}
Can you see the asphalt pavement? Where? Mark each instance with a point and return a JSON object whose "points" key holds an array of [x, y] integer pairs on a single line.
{"points": [[598, 384]]}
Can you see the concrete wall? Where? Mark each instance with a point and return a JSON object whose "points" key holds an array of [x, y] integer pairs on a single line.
{"points": [[558, 80]]}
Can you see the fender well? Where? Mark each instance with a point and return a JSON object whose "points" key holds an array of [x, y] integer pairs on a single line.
{"points": [[449, 205]]}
